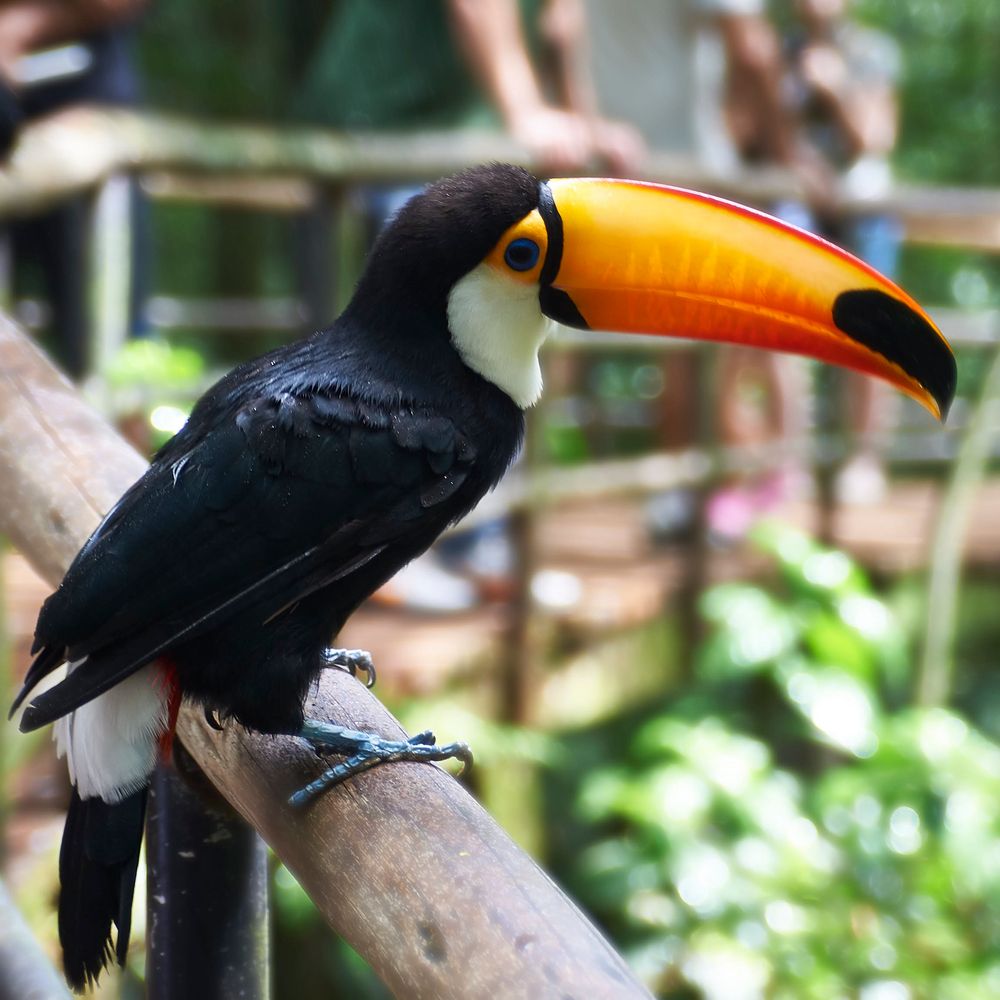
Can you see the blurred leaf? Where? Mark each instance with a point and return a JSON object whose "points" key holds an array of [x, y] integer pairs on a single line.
{"points": [[156, 364], [754, 631], [829, 639], [809, 568], [852, 851], [842, 709]]}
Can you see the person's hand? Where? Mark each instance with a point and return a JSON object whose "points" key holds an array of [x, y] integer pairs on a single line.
{"points": [[619, 146], [559, 140], [824, 69], [569, 142]]}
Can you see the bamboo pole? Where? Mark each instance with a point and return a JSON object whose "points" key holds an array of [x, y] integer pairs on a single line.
{"points": [[937, 660], [402, 862]]}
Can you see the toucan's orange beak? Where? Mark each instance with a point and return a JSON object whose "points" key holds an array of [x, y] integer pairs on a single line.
{"points": [[643, 258]]}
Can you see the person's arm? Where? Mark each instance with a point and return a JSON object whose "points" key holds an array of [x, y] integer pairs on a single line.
{"points": [[865, 111], [618, 144], [756, 67], [488, 32], [753, 60]]}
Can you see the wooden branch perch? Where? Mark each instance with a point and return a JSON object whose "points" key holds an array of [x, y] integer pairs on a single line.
{"points": [[402, 862]]}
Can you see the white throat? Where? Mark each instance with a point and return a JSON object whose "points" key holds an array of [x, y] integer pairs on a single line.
{"points": [[498, 327]]}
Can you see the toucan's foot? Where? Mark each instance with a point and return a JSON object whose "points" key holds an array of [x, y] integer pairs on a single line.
{"points": [[365, 751], [351, 660]]}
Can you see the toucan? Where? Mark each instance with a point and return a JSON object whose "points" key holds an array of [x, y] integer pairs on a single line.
{"points": [[305, 478]]}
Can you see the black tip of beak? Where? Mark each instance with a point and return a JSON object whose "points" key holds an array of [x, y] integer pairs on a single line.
{"points": [[901, 335]]}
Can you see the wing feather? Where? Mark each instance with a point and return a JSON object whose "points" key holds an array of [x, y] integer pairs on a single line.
{"points": [[285, 496]]}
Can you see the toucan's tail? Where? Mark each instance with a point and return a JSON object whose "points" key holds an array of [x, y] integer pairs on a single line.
{"points": [[97, 866]]}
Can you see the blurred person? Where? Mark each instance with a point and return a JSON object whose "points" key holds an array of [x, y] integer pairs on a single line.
{"points": [[842, 85], [55, 54]]}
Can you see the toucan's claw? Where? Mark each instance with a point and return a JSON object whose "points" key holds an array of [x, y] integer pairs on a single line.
{"points": [[426, 738], [365, 751], [212, 718], [351, 660]]}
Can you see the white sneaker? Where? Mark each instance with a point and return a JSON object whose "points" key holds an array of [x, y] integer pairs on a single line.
{"points": [[861, 481], [425, 585]]}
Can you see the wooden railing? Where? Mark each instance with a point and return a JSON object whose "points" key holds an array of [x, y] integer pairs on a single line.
{"points": [[89, 150]]}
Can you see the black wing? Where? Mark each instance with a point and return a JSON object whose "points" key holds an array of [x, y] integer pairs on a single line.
{"points": [[284, 496]]}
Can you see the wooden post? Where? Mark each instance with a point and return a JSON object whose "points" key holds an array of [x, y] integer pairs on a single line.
{"points": [[317, 257], [829, 451], [402, 862], [696, 557], [110, 264], [207, 933]]}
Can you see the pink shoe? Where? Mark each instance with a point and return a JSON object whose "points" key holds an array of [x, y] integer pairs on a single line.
{"points": [[781, 486], [730, 513]]}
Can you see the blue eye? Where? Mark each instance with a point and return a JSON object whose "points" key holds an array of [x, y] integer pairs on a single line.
{"points": [[521, 254]]}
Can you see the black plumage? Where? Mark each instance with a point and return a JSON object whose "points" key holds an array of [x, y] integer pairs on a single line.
{"points": [[98, 860], [264, 523], [301, 482]]}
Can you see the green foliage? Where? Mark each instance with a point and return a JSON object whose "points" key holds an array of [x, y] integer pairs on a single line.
{"points": [[157, 382], [951, 79], [784, 828], [949, 129], [156, 367], [309, 959]]}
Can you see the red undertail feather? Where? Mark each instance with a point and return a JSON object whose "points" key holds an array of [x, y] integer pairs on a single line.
{"points": [[168, 678]]}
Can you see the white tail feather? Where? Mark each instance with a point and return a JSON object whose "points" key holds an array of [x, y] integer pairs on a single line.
{"points": [[110, 744]]}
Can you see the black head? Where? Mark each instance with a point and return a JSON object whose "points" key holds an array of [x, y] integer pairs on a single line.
{"points": [[443, 233]]}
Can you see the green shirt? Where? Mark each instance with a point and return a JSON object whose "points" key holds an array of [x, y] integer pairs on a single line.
{"points": [[390, 64]]}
